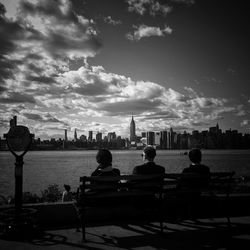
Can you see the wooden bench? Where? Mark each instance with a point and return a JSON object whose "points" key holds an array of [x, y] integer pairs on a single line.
{"points": [[144, 191], [188, 188]]}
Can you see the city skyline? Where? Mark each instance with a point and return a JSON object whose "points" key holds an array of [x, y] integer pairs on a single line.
{"points": [[89, 65]]}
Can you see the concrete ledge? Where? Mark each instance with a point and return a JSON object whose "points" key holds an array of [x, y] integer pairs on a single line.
{"points": [[64, 215]]}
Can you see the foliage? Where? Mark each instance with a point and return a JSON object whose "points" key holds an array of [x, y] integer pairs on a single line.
{"points": [[31, 198], [51, 194]]}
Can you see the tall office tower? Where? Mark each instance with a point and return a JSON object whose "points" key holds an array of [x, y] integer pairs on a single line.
{"points": [[157, 138], [111, 136], [132, 130], [13, 122], [164, 140], [98, 137], [65, 135], [171, 138], [90, 138], [150, 138], [75, 135]]}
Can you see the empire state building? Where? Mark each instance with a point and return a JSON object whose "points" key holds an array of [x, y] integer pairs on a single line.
{"points": [[132, 130]]}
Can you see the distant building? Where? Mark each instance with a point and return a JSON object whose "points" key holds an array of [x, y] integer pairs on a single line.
{"points": [[164, 139], [13, 122], [111, 136], [150, 138], [132, 130], [99, 137], [65, 135], [75, 135], [157, 138], [90, 138]]}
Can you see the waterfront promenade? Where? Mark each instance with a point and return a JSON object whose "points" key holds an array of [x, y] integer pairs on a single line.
{"points": [[187, 234], [58, 222]]}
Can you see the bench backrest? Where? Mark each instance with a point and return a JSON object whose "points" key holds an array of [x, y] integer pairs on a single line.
{"points": [[215, 181], [124, 185], [144, 184]]}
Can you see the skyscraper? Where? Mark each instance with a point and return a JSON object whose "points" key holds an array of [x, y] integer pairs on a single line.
{"points": [[75, 135], [132, 130], [90, 138], [99, 137], [65, 135], [150, 138]]}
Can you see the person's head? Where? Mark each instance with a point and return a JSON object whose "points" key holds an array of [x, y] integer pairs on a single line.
{"points": [[149, 153], [104, 157], [195, 155], [67, 187]]}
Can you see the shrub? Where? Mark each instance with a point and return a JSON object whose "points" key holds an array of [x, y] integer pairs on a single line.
{"points": [[31, 198], [51, 194]]}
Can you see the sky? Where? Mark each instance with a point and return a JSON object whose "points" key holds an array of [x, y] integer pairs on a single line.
{"points": [[92, 64]]}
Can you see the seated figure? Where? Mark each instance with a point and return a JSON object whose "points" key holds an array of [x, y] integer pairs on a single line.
{"points": [[67, 194], [149, 167], [201, 172], [104, 159]]}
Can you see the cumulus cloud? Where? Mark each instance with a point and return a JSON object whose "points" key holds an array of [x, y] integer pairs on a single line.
{"points": [[153, 7], [39, 40], [147, 31], [38, 85]]}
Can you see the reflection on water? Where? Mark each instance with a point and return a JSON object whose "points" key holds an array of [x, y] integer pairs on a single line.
{"points": [[42, 168]]}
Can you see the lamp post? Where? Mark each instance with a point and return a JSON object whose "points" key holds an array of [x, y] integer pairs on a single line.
{"points": [[18, 140]]}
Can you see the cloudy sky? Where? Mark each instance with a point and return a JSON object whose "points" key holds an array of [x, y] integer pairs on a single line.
{"points": [[91, 64]]}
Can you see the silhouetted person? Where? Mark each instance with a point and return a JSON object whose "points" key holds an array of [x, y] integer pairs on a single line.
{"points": [[195, 157], [104, 159], [201, 173], [149, 167], [67, 194]]}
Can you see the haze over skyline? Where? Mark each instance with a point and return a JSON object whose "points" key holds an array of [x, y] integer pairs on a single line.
{"points": [[91, 64]]}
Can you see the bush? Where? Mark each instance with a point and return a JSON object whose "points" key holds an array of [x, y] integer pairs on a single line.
{"points": [[31, 198], [51, 194]]}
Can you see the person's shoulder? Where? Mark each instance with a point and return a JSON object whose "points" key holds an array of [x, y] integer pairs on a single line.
{"points": [[138, 169], [186, 170], [116, 171], [161, 168], [96, 172], [205, 168]]}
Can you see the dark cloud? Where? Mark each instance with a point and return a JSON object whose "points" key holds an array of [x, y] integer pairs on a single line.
{"points": [[15, 97], [43, 118], [41, 79], [78, 41], [12, 34], [60, 45], [7, 68], [49, 8], [34, 68], [2, 89], [33, 56]]}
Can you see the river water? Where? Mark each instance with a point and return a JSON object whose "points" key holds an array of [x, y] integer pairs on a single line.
{"points": [[42, 168]]}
